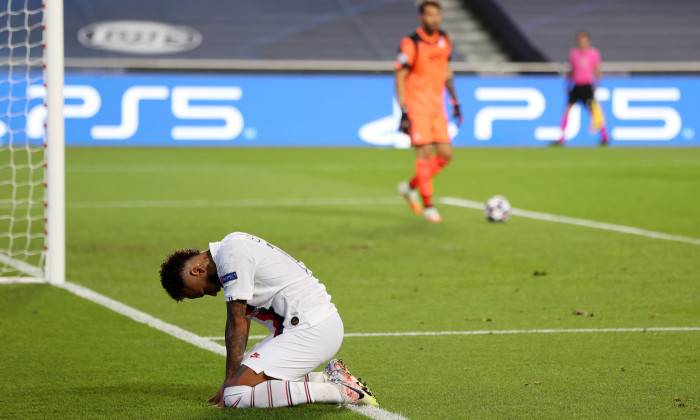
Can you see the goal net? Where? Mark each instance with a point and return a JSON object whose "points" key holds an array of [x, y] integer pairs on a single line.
{"points": [[31, 141]]}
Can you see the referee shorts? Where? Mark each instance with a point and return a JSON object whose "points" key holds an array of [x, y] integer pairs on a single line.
{"points": [[583, 93]]}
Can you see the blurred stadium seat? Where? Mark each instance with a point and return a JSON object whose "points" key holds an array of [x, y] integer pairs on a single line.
{"points": [[484, 31], [624, 30], [271, 29]]}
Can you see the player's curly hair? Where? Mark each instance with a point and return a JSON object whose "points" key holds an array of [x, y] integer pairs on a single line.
{"points": [[171, 272], [426, 3]]}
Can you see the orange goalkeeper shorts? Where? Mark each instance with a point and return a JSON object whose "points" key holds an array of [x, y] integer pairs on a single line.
{"points": [[428, 129]]}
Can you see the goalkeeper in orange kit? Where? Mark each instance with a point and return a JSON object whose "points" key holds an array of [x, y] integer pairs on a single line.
{"points": [[422, 74]]}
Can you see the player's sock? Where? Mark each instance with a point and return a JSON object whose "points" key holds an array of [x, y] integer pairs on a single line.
{"points": [[564, 122], [281, 394], [604, 135], [437, 162], [425, 181], [315, 377]]}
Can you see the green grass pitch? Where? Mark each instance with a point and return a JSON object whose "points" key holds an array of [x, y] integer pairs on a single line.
{"points": [[388, 271]]}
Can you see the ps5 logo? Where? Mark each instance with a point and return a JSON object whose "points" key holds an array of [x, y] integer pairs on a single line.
{"points": [[486, 116], [384, 131], [182, 108], [201, 103], [628, 104], [623, 110]]}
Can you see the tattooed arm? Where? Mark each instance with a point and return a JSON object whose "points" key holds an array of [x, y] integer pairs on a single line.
{"points": [[237, 327], [236, 335]]}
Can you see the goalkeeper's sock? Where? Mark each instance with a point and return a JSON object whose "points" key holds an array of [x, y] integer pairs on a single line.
{"points": [[424, 181], [281, 394], [437, 162]]}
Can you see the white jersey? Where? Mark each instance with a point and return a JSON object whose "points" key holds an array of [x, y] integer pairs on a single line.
{"points": [[280, 291]]}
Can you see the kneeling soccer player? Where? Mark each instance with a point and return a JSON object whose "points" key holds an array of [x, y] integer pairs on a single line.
{"points": [[264, 283]]}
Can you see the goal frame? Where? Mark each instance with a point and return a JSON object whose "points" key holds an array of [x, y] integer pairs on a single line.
{"points": [[54, 261], [55, 181]]}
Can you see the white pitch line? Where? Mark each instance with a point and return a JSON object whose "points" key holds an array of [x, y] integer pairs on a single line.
{"points": [[144, 318], [223, 168], [498, 332], [233, 203], [458, 202], [374, 413]]}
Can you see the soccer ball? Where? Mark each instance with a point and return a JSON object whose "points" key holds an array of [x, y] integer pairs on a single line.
{"points": [[497, 209]]}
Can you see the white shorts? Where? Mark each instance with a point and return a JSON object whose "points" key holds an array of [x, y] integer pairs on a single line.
{"points": [[295, 353]]}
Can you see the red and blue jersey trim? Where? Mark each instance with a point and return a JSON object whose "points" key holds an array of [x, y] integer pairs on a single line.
{"points": [[267, 317]]}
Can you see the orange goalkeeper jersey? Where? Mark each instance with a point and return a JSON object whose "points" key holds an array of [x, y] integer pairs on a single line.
{"points": [[427, 59]]}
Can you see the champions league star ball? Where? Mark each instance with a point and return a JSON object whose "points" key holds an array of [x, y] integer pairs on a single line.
{"points": [[497, 209]]}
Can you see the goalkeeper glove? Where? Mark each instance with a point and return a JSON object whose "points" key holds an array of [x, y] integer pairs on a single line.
{"points": [[405, 125], [457, 114]]}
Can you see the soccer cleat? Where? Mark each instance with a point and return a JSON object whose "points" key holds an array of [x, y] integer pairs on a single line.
{"points": [[411, 196], [431, 214], [355, 396], [353, 390]]}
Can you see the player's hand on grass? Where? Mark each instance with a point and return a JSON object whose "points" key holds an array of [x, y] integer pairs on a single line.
{"points": [[457, 114], [405, 124], [218, 399]]}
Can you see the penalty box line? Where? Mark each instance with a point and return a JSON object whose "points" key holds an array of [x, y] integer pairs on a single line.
{"points": [[372, 412], [459, 202], [500, 332]]}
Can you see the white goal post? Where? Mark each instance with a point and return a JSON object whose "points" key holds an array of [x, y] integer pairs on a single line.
{"points": [[32, 143]]}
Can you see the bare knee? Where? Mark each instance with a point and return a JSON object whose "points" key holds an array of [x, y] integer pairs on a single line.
{"points": [[424, 151], [446, 157], [247, 377], [444, 152]]}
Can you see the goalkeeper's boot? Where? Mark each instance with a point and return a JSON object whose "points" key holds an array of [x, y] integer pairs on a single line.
{"points": [[431, 214], [353, 390], [411, 196]]}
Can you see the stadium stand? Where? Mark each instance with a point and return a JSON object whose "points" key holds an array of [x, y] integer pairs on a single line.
{"points": [[265, 30], [503, 31], [471, 38], [484, 31], [623, 30]]}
